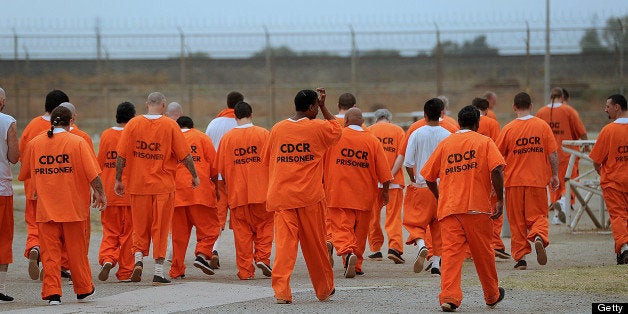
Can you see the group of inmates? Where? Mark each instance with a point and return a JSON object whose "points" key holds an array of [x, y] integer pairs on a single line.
{"points": [[320, 183]]}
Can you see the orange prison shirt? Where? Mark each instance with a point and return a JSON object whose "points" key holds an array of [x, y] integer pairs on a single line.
{"points": [[463, 162], [152, 148], [445, 124], [491, 114], [489, 127], [35, 127], [62, 167], [357, 162], [107, 156], [203, 154], [391, 138], [451, 121], [76, 131], [294, 154], [240, 162], [565, 124], [526, 144], [611, 151]]}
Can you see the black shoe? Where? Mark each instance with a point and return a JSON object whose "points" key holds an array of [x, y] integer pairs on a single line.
{"points": [[214, 262], [158, 280], [502, 292], [623, 258], [395, 256], [179, 277], [359, 273], [136, 276], [54, 299], [435, 271], [350, 261], [33, 263], [266, 270], [448, 307], [501, 253], [203, 265], [521, 265], [377, 256], [81, 297], [5, 297]]}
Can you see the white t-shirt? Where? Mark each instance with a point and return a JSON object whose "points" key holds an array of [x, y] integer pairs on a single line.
{"points": [[6, 179], [421, 145], [217, 128]]}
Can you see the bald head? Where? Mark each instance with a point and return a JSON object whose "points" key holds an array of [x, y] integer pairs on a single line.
{"points": [[156, 103], [69, 106], [174, 111], [491, 97], [353, 116]]}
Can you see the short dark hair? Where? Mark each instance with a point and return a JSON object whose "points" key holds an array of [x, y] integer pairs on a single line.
{"points": [[125, 112], [233, 98], [185, 122], [618, 99], [565, 94], [346, 101], [468, 117], [60, 116], [243, 110], [480, 103], [304, 99], [54, 99], [433, 109], [523, 101]]}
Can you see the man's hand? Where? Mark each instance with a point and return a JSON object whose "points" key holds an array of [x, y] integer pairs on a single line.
{"points": [[99, 201], [554, 183], [118, 188], [195, 181], [498, 210], [383, 197], [321, 96]]}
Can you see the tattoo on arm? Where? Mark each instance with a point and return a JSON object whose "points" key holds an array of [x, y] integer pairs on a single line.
{"points": [[120, 164], [188, 162], [97, 185], [553, 157]]}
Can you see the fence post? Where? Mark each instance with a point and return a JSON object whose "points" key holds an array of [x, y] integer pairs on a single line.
{"points": [[527, 57], [439, 63], [546, 67], [27, 82], [16, 71], [182, 70], [270, 79], [354, 62], [98, 46], [621, 56]]}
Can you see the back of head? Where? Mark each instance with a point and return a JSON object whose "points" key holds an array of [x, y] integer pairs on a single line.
{"points": [[243, 110], [565, 95], [346, 101], [433, 109], [468, 117], [618, 99], [174, 110], [155, 99], [185, 122], [480, 103], [522, 101], [304, 99], [69, 106], [54, 99], [381, 114], [233, 98], [444, 100], [556, 94], [125, 112], [354, 117], [60, 116]]}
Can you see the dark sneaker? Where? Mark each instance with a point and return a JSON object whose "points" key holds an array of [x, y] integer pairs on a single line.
{"points": [[377, 256], [396, 256], [521, 265], [330, 252], [266, 270], [420, 260], [83, 297], [350, 261], [502, 292], [54, 299], [203, 265], [136, 276], [359, 273], [623, 258], [501, 253], [541, 255], [33, 263], [435, 271], [5, 297], [448, 307], [104, 271], [214, 262], [179, 277], [280, 301], [158, 280]]}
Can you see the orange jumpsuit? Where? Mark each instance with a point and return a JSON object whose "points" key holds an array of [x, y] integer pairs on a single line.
{"points": [[526, 144], [62, 168], [391, 138], [246, 176], [88, 226], [357, 164], [295, 193], [463, 162], [611, 152], [152, 147], [195, 207], [566, 125], [491, 114], [117, 227]]}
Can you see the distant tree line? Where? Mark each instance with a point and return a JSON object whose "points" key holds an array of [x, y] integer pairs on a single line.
{"points": [[609, 40]]}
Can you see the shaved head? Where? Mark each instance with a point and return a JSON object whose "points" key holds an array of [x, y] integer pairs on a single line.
{"points": [[353, 116], [69, 106], [155, 99], [174, 110]]}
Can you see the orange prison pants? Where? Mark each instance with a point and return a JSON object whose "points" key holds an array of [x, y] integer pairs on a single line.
{"points": [[6, 229], [350, 227], [51, 239], [527, 214], [116, 245], [305, 225], [32, 230], [562, 171], [253, 237], [498, 244], [392, 223], [205, 219], [222, 204], [152, 215], [476, 230], [617, 206], [418, 215]]}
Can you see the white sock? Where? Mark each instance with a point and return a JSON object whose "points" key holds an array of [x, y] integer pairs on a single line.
{"points": [[420, 243], [159, 270], [436, 261], [3, 279], [624, 248], [139, 257]]}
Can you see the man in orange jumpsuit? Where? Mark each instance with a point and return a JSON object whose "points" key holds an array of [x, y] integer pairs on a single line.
{"points": [[491, 97], [468, 165], [421, 213], [9, 154], [115, 247], [391, 137], [610, 158], [63, 168], [195, 207], [490, 127], [566, 125], [295, 193], [357, 164], [246, 176], [150, 147], [528, 142], [36, 126]]}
